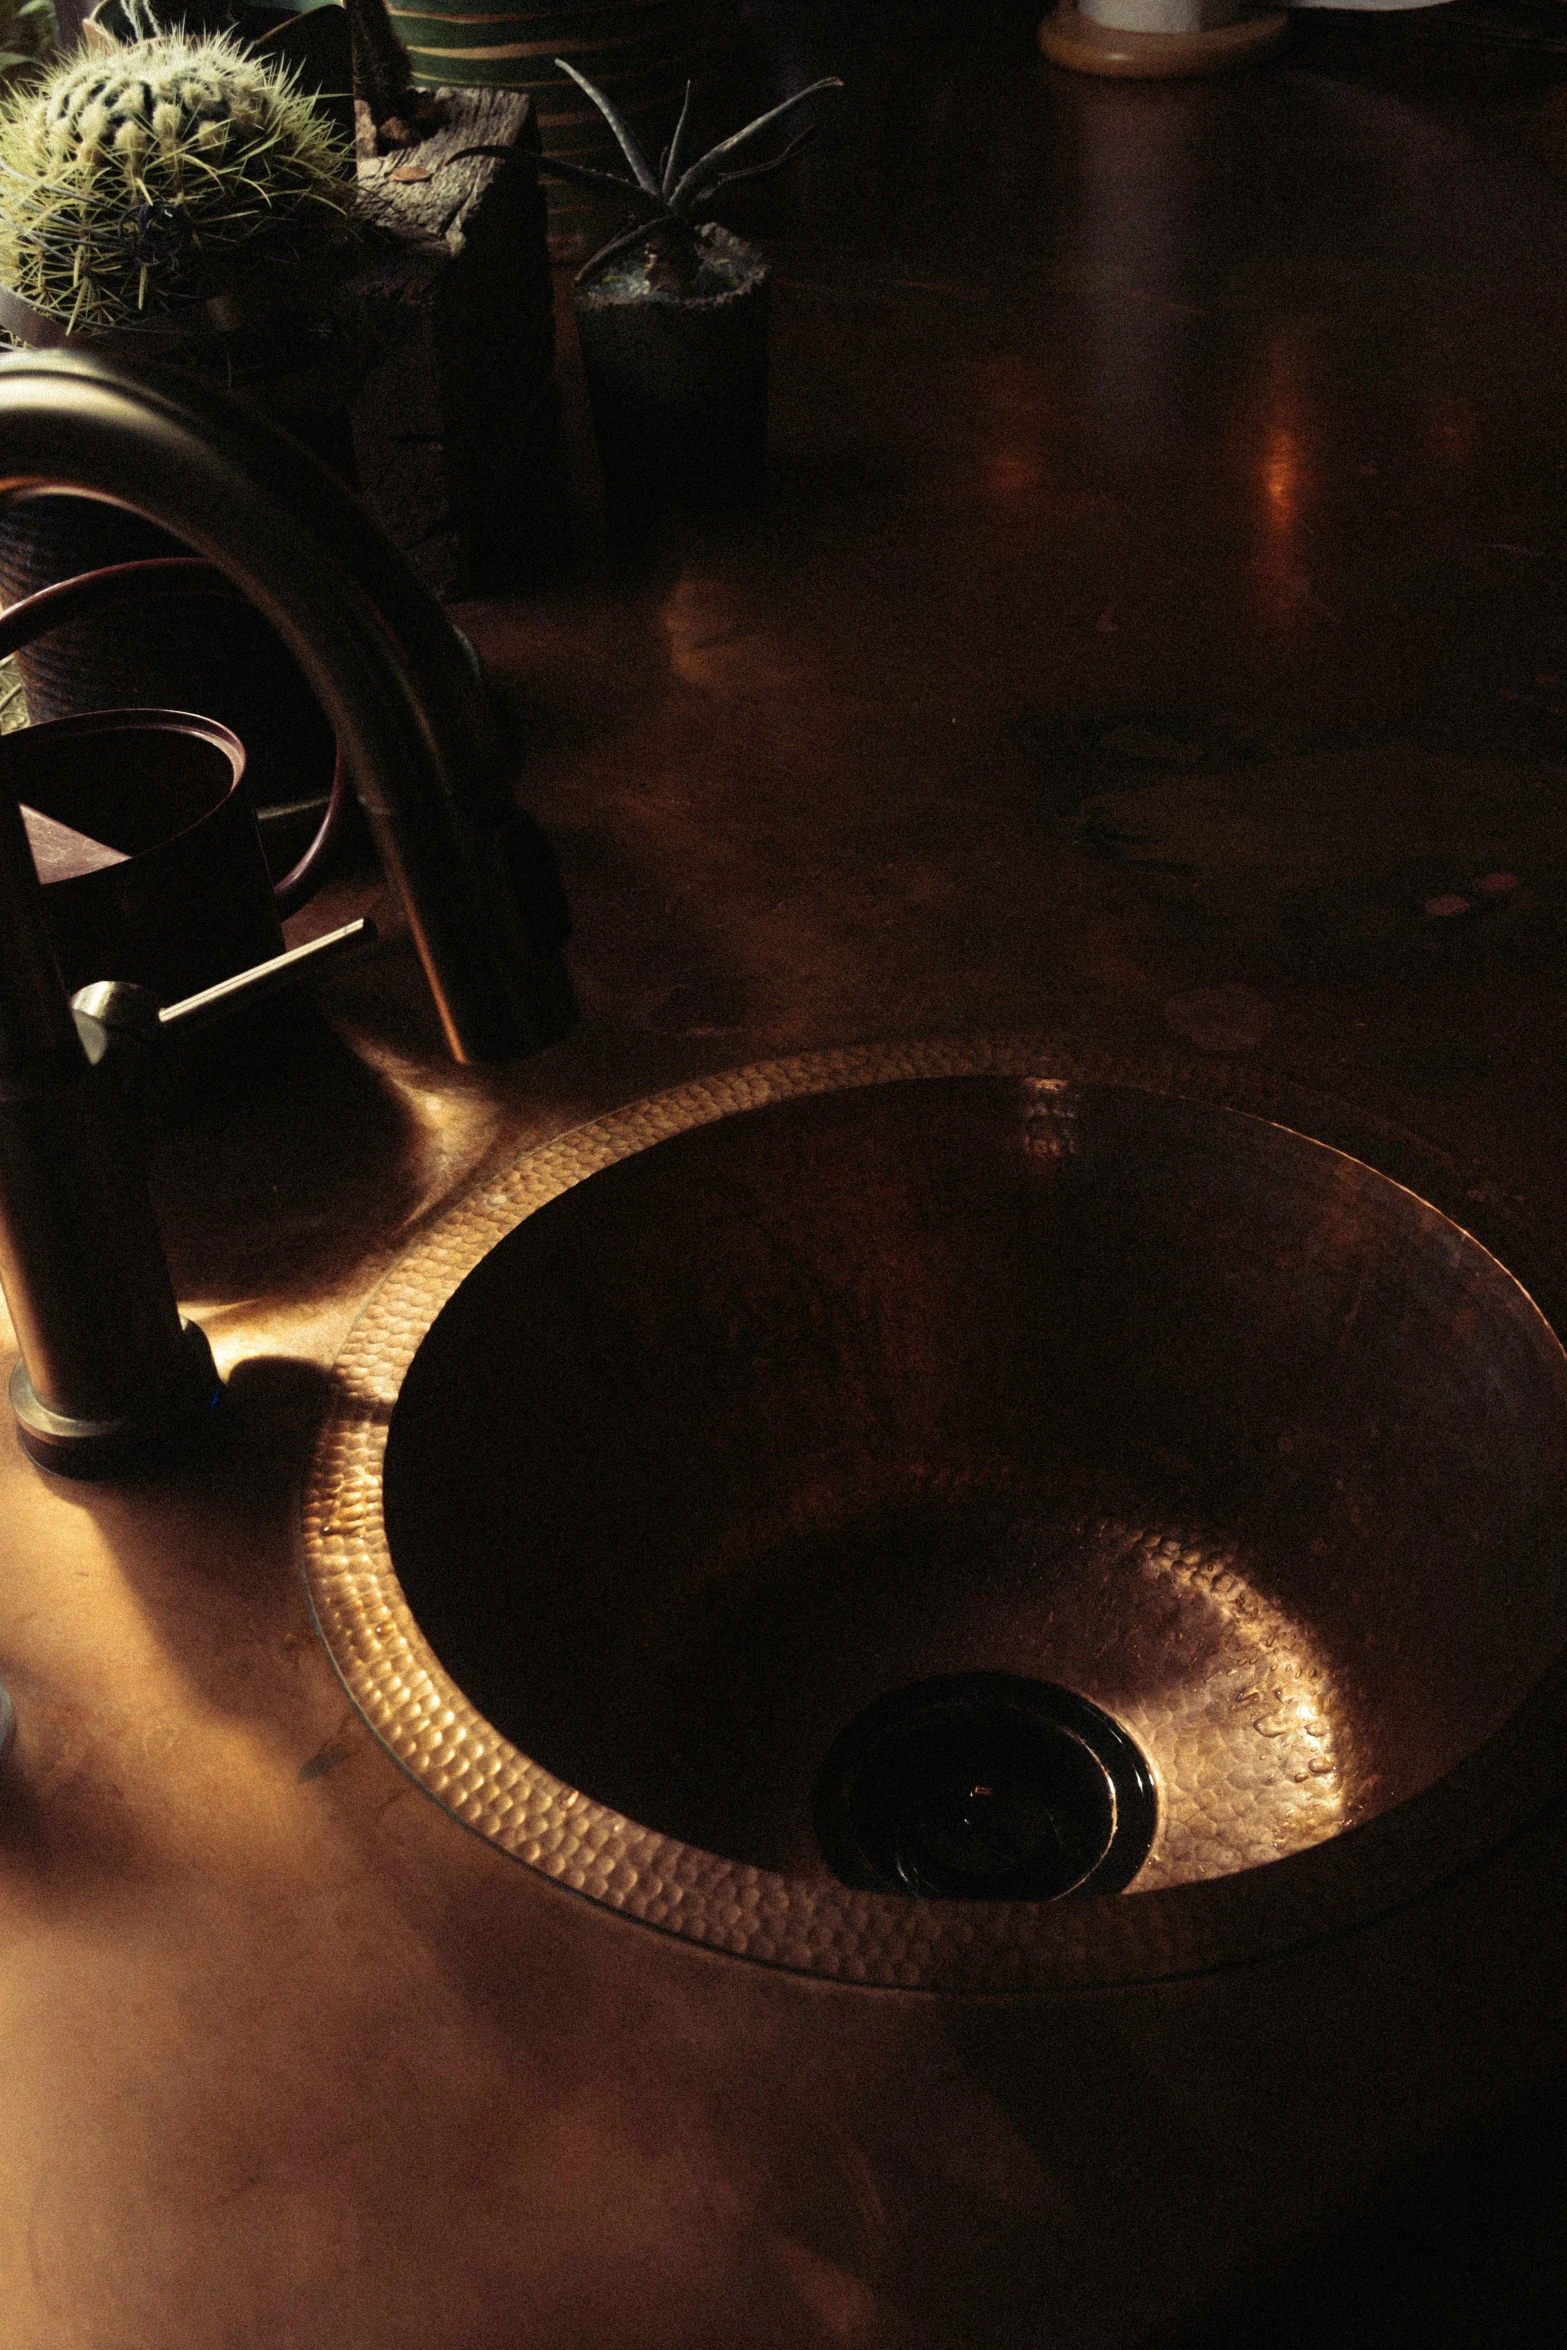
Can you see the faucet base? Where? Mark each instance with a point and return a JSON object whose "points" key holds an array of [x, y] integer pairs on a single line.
{"points": [[145, 1443]]}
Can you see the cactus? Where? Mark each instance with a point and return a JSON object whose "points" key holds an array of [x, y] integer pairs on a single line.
{"points": [[670, 202], [140, 182]]}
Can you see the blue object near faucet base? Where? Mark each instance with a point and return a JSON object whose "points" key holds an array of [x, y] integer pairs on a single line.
{"points": [[145, 1443]]}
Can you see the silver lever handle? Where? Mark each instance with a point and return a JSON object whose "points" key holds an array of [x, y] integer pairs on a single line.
{"points": [[124, 1008], [196, 1012]]}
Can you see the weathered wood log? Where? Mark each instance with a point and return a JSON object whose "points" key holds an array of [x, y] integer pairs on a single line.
{"points": [[383, 79], [453, 422]]}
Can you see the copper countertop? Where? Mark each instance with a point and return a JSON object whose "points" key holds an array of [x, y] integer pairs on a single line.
{"points": [[1221, 414]]}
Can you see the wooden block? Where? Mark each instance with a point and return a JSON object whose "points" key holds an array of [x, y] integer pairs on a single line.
{"points": [[453, 424]]}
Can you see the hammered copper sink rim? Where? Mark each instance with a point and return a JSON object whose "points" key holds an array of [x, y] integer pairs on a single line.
{"points": [[459, 1758]]}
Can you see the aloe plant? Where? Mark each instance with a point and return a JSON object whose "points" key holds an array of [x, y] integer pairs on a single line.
{"points": [[671, 201]]}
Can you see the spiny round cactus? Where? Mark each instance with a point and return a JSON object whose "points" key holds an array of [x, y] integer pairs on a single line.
{"points": [[137, 182]]}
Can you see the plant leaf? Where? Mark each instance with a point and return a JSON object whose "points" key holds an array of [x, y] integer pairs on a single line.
{"points": [[624, 134], [627, 236], [756, 171], [672, 157], [629, 193], [686, 189]]}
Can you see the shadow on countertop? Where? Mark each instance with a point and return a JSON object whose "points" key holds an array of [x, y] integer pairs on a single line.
{"points": [[1469, 2255]]}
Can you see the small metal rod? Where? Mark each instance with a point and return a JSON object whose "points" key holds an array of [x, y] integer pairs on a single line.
{"points": [[195, 1012]]}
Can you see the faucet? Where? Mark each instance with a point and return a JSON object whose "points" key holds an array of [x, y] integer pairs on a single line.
{"points": [[111, 1380], [476, 877]]}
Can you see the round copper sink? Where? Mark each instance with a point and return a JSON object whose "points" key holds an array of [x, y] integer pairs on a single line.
{"points": [[710, 1425]]}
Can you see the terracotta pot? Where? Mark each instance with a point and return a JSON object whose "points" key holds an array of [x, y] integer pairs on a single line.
{"points": [[678, 384]]}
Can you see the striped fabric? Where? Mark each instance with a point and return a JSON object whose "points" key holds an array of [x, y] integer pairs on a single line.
{"points": [[639, 51]]}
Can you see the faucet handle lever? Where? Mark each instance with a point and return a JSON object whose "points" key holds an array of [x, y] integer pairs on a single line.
{"points": [[123, 1008], [111, 1380], [274, 977]]}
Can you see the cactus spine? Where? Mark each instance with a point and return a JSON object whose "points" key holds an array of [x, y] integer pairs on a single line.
{"points": [[137, 183]]}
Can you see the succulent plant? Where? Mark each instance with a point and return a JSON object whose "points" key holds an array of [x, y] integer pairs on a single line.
{"points": [[144, 180], [671, 201]]}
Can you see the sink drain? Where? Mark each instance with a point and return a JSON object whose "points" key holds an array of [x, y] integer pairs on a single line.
{"points": [[984, 1787]]}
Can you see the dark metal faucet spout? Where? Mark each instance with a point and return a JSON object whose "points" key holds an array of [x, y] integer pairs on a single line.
{"points": [[110, 1380], [475, 877]]}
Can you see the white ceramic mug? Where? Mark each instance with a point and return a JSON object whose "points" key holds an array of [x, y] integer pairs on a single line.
{"points": [[1161, 16]]}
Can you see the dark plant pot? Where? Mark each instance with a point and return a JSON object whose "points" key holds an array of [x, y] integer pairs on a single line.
{"points": [[167, 650], [158, 875], [678, 384], [174, 650]]}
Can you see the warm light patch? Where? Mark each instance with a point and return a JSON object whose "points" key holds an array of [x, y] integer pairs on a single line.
{"points": [[1451, 430], [1012, 475], [1282, 472]]}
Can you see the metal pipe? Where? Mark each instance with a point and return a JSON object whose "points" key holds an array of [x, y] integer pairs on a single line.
{"points": [[475, 877]]}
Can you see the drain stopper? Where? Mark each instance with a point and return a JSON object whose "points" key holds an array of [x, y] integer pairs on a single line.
{"points": [[985, 1787]]}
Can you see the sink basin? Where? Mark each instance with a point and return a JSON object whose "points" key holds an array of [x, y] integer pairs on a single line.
{"points": [[933, 1378]]}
